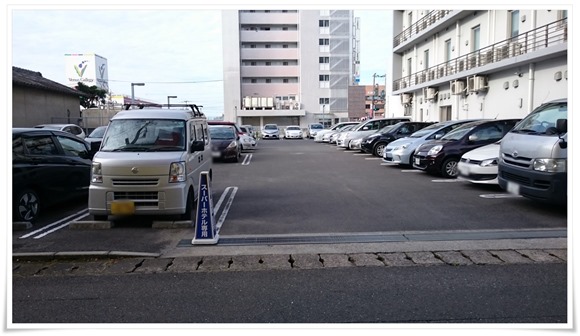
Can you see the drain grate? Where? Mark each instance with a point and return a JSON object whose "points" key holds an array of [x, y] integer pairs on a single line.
{"points": [[384, 238]]}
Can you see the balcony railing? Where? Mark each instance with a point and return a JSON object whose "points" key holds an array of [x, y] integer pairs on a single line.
{"points": [[546, 36], [420, 25]]}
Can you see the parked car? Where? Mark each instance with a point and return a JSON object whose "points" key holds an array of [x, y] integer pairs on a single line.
{"points": [[225, 143], [48, 167], [324, 135], [355, 144], [249, 130], [480, 165], [226, 123], [149, 163], [293, 132], [313, 129], [368, 127], [401, 151], [96, 135], [270, 131], [340, 135], [69, 128], [441, 156], [375, 143], [248, 142], [534, 155]]}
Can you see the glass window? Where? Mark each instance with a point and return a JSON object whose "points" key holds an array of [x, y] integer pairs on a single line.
{"points": [[426, 61], [475, 36], [447, 50], [72, 147], [17, 146], [514, 23], [40, 145]]}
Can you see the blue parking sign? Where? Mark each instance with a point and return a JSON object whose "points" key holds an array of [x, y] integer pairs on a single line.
{"points": [[205, 226]]}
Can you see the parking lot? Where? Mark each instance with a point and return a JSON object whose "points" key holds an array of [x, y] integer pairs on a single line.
{"points": [[295, 191]]}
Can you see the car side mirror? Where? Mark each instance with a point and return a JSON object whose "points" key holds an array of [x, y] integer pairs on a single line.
{"points": [[438, 136], [473, 138], [197, 146]]}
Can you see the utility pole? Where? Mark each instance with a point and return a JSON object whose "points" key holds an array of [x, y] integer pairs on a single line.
{"points": [[375, 92]]}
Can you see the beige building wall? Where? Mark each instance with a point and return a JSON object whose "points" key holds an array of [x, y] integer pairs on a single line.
{"points": [[31, 107]]}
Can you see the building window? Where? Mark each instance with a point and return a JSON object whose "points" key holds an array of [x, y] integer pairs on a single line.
{"points": [[253, 63], [323, 23], [254, 80], [268, 46], [268, 80], [426, 60], [252, 46], [475, 36], [322, 60], [322, 101], [514, 23], [285, 46], [264, 28], [323, 78], [325, 12], [410, 16], [285, 80], [409, 66], [447, 50], [323, 42], [284, 28], [268, 63], [284, 63]]}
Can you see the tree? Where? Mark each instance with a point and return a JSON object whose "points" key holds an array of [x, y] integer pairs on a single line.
{"points": [[94, 94]]}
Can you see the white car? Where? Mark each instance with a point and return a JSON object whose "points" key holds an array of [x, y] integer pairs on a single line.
{"points": [[480, 165], [293, 132], [324, 135], [70, 128], [270, 131], [248, 142]]}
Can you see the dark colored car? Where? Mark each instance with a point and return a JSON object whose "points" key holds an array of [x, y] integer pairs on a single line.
{"points": [[96, 135], [226, 123], [225, 143], [48, 167], [442, 155], [375, 143]]}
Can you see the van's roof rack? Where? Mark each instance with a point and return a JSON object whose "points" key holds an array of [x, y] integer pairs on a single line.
{"points": [[196, 109]]}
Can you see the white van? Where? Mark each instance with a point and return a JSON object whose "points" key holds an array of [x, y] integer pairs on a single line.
{"points": [[534, 155], [149, 163]]}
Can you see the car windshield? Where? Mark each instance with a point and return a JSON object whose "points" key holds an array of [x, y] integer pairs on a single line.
{"points": [[293, 128], [271, 127], [222, 133], [427, 130], [144, 135], [543, 120], [316, 126], [385, 129], [458, 133], [98, 132]]}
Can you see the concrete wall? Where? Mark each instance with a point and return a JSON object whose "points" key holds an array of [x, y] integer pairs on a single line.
{"points": [[31, 107]]}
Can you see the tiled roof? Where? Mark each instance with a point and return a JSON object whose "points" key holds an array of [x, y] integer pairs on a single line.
{"points": [[23, 77]]}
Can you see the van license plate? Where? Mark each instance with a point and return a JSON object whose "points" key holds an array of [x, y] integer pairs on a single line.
{"points": [[122, 208], [513, 188]]}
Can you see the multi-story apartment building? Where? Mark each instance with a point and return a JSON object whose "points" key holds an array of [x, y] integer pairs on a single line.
{"points": [[288, 67], [457, 64], [366, 101]]}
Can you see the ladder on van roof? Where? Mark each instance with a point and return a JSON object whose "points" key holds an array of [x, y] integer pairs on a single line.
{"points": [[194, 108]]}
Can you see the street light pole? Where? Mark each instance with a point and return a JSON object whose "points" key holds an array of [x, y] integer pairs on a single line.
{"points": [[375, 91], [133, 91], [323, 115], [168, 98]]}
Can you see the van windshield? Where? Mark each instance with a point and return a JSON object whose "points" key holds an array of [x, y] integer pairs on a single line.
{"points": [[144, 135], [544, 120]]}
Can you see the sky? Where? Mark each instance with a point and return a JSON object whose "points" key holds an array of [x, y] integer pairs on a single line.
{"points": [[175, 51]]}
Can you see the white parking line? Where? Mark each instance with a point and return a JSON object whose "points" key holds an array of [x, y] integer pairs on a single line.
{"points": [[374, 158], [507, 195], [77, 215], [411, 171], [447, 181], [226, 207], [361, 154], [247, 159]]}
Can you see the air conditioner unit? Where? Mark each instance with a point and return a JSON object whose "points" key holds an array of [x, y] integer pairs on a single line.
{"points": [[405, 98], [479, 83], [501, 52], [457, 87], [430, 93], [516, 49]]}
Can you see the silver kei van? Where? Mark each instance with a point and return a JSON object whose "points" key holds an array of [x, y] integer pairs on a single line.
{"points": [[534, 155], [149, 163]]}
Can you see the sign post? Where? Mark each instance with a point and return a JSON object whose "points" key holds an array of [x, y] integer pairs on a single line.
{"points": [[205, 225]]}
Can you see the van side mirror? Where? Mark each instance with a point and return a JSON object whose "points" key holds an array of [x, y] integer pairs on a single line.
{"points": [[562, 125], [197, 146], [95, 146]]}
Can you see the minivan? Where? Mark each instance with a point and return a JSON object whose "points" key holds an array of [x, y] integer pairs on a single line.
{"points": [[534, 155], [149, 163]]}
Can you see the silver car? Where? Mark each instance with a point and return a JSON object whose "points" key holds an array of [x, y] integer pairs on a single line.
{"points": [[401, 151], [324, 135], [270, 131]]}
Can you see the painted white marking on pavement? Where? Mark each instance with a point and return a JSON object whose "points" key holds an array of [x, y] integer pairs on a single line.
{"points": [[59, 227], [85, 211], [247, 159], [499, 196], [411, 171], [447, 181], [361, 154], [374, 158], [219, 203], [226, 209]]}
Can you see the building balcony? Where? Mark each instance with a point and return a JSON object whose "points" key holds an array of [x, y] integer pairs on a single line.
{"points": [[272, 54], [535, 45], [269, 18], [268, 36]]}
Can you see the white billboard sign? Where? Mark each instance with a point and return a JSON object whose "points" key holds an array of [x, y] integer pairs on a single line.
{"points": [[89, 69]]}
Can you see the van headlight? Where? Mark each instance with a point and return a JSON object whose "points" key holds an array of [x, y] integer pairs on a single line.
{"points": [[177, 172], [550, 165], [96, 173]]}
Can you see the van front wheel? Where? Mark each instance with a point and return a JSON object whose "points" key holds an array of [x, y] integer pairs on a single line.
{"points": [[188, 207]]}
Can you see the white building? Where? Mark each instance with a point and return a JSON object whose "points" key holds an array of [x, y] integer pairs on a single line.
{"points": [[454, 64], [288, 67]]}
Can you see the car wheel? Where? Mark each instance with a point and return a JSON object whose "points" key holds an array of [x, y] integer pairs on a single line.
{"points": [[449, 168], [26, 206], [188, 207], [379, 148]]}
